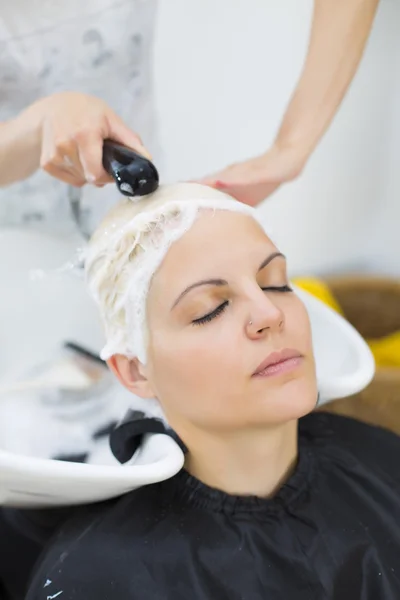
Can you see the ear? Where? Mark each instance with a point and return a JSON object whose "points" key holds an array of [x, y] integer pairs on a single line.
{"points": [[131, 373]]}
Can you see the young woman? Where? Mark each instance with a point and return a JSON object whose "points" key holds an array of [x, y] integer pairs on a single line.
{"points": [[272, 502]]}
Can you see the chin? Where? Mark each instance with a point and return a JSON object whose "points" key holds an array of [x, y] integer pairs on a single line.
{"points": [[292, 400]]}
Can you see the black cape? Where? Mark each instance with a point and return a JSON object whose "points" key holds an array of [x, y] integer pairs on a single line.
{"points": [[332, 532]]}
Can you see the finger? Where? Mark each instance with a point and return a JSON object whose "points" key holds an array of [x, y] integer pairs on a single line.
{"points": [[252, 195], [63, 156], [121, 133], [220, 185], [90, 149], [64, 175], [68, 159], [214, 183]]}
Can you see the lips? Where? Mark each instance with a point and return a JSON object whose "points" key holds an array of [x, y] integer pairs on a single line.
{"points": [[275, 360]]}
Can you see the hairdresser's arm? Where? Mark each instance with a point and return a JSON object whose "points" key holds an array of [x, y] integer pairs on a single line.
{"points": [[62, 134], [19, 152], [339, 34]]}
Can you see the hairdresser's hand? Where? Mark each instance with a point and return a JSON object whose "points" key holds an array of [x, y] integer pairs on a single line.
{"points": [[71, 128], [254, 180]]}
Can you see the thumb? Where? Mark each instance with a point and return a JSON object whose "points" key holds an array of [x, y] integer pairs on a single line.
{"points": [[119, 132]]}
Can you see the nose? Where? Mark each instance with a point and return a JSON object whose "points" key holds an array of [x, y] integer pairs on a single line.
{"points": [[265, 316]]}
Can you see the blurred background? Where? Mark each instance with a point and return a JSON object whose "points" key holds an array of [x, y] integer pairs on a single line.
{"points": [[224, 72]]}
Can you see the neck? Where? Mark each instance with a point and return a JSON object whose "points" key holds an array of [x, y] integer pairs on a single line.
{"points": [[253, 463]]}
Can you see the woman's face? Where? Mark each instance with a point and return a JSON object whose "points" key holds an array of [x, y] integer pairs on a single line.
{"points": [[219, 311]]}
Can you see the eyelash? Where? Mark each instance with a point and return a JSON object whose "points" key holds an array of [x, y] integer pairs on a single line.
{"points": [[220, 309]]}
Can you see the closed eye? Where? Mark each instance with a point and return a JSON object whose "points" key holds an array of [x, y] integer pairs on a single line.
{"points": [[274, 288], [212, 315], [220, 309]]}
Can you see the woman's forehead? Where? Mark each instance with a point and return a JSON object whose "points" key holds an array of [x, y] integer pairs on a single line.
{"points": [[220, 232], [217, 243]]}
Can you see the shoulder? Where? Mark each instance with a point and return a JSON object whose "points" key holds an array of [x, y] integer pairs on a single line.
{"points": [[375, 447], [353, 431], [108, 550], [130, 512], [37, 525]]}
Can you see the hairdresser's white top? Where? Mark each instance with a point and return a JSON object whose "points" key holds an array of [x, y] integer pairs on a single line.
{"points": [[99, 47]]}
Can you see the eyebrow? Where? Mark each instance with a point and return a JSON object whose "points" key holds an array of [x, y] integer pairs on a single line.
{"points": [[222, 282]]}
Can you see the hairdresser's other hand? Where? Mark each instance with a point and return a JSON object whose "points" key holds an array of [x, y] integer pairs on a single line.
{"points": [[71, 128], [253, 180]]}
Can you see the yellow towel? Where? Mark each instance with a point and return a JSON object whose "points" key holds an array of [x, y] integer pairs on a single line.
{"points": [[386, 350]]}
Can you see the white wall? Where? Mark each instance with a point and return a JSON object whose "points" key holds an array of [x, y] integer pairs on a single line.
{"points": [[384, 232], [224, 71]]}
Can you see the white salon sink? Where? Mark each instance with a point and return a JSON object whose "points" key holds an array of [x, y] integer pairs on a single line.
{"points": [[37, 315], [344, 362]]}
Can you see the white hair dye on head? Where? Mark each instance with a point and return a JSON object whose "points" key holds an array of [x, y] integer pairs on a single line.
{"points": [[129, 247]]}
